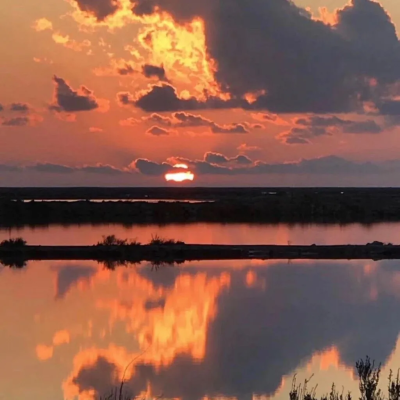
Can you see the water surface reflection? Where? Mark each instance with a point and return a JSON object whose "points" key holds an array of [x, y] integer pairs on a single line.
{"points": [[208, 233], [231, 329]]}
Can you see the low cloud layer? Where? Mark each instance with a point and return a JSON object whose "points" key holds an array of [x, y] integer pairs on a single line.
{"points": [[308, 128], [64, 169], [219, 164], [21, 121], [20, 107], [187, 120]]}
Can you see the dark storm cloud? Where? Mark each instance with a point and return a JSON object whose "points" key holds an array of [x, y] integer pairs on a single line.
{"points": [[157, 131], [69, 100], [301, 64], [100, 9], [257, 337], [154, 71], [19, 107]]}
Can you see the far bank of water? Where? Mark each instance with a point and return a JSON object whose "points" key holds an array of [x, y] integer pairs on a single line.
{"points": [[212, 233]]}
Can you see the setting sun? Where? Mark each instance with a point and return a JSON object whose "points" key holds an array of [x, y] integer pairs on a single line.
{"points": [[180, 176]]}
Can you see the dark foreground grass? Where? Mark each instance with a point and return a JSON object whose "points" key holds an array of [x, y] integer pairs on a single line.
{"points": [[368, 375]]}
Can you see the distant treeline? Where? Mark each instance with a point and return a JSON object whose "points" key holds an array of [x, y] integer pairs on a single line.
{"points": [[296, 206]]}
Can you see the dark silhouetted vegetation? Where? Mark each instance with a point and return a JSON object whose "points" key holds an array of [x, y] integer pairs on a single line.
{"points": [[16, 242], [112, 240], [14, 262], [368, 375], [368, 378], [157, 240]]}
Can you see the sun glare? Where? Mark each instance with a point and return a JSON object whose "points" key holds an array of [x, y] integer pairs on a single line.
{"points": [[184, 166], [180, 176]]}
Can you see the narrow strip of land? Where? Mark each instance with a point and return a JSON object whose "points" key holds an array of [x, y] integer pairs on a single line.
{"points": [[222, 206], [191, 252]]}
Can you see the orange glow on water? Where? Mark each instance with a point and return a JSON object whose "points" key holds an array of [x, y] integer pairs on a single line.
{"points": [[180, 176]]}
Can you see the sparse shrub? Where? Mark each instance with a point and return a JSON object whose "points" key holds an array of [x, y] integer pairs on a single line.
{"points": [[15, 242], [13, 263], [157, 240], [112, 240]]}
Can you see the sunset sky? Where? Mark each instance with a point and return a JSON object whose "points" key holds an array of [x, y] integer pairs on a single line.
{"points": [[243, 92]]}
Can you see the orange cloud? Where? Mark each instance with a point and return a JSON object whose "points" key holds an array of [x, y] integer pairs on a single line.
{"points": [[61, 337], [70, 43], [129, 122], [44, 352], [94, 129], [117, 67], [181, 49], [327, 17], [43, 60], [42, 24], [247, 148]]}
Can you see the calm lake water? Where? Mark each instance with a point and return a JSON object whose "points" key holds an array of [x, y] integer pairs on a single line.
{"points": [[237, 329], [206, 233]]}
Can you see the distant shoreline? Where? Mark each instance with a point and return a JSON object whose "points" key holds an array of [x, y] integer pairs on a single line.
{"points": [[221, 205], [180, 253]]}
